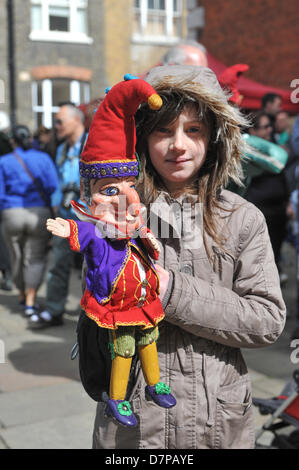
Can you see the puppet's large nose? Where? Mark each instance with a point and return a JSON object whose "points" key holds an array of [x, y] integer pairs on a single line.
{"points": [[133, 202]]}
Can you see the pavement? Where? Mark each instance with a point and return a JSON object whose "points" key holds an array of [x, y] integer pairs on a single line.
{"points": [[42, 402]]}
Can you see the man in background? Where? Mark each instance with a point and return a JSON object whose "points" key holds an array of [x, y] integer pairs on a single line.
{"points": [[69, 125], [271, 105]]}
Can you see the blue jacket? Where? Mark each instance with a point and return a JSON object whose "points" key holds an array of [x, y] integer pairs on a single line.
{"points": [[295, 137], [17, 188], [67, 163]]}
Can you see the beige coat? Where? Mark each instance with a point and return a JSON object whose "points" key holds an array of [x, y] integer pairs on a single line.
{"points": [[213, 309]]}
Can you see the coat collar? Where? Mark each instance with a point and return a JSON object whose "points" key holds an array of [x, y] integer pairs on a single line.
{"points": [[172, 212]]}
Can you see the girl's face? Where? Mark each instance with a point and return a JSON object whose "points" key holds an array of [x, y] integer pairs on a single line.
{"points": [[178, 150]]}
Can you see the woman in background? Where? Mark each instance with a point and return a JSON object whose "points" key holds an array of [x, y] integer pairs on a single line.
{"points": [[28, 177]]}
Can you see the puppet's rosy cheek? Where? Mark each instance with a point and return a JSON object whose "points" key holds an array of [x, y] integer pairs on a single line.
{"points": [[100, 199]]}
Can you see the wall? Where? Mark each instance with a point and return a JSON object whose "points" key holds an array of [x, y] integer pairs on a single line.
{"points": [[4, 60], [117, 33], [30, 55], [262, 33]]}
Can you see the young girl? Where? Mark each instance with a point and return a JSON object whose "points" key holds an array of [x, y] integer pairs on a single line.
{"points": [[218, 281]]}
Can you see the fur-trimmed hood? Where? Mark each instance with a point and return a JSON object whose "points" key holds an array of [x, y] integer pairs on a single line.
{"points": [[192, 74]]}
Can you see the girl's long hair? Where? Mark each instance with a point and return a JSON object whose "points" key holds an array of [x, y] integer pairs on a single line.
{"points": [[225, 150]]}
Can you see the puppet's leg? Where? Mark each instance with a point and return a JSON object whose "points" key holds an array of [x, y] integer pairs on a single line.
{"points": [[148, 354], [149, 363], [117, 406], [119, 378]]}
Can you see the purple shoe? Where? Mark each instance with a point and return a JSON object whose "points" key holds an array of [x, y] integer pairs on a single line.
{"points": [[161, 395], [121, 410]]}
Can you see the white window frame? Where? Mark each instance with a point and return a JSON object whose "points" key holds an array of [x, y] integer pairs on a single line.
{"points": [[72, 36], [46, 108], [170, 14]]}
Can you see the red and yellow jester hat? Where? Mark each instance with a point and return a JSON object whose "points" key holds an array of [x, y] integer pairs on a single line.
{"points": [[110, 147]]}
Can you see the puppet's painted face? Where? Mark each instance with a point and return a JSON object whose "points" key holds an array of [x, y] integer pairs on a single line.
{"points": [[116, 202]]}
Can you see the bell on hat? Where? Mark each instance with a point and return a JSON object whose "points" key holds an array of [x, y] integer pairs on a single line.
{"points": [[110, 147]]}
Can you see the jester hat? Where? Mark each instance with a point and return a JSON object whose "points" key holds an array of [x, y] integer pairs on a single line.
{"points": [[110, 147]]}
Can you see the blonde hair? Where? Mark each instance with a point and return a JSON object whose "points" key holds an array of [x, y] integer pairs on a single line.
{"points": [[225, 151]]}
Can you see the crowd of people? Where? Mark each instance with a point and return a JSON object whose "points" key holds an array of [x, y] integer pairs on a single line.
{"points": [[38, 178], [276, 195], [63, 144], [205, 328]]}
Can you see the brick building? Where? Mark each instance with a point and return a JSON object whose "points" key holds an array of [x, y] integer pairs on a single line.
{"points": [[73, 49], [58, 50], [158, 25], [261, 33]]}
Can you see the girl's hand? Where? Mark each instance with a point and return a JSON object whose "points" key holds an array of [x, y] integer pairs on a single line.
{"points": [[59, 227], [164, 280]]}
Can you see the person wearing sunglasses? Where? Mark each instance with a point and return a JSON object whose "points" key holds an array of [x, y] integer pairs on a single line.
{"points": [[70, 130], [261, 126]]}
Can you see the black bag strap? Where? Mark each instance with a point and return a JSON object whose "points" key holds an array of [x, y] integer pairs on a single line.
{"points": [[39, 189]]}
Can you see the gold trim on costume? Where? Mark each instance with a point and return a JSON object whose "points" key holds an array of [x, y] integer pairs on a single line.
{"points": [[124, 290], [135, 277], [74, 235], [148, 264], [112, 327], [149, 284], [123, 266], [96, 162], [119, 273]]}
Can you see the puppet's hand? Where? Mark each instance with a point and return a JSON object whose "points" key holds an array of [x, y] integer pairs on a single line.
{"points": [[59, 227], [153, 242], [150, 242], [151, 239]]}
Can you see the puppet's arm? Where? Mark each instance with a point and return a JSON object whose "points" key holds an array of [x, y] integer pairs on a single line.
{"points": [[81, 235]]}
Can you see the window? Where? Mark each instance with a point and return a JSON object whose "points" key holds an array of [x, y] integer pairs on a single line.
{"points": [[47, 94], [157, 20], [59, 20]]}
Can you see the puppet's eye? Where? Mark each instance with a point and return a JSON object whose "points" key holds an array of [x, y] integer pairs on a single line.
{"points": [[110, 191]]}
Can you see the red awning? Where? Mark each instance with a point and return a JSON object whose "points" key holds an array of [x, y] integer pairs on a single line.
{"points": [[253, 91]]}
